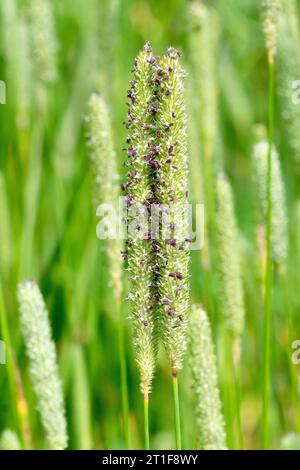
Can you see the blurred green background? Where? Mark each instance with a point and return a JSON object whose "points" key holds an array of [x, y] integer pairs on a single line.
{"points": [[48, 224]]}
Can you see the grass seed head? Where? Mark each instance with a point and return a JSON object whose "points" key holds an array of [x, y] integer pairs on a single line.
{"points": [[271, 13], [230, 278], [202, 360], [105, 176], [43, 40], [9, 440], [139, 194], [279, 234], [171, 192], [42, 363]]}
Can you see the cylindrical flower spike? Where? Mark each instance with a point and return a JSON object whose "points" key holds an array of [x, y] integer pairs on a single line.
{"points": [[171, 195], [288, 67], [139, 197], [42, 363], [210, 422], [271, 12], [9, 440], [105, 178], [230, 278], [43, 40], [279, 233]]}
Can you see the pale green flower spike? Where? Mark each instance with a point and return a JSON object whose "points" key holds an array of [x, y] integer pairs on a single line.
{"points": [[43, 40], [210, 422], [171, 193], [271, 12], [42, 363], [138, 191], [105, 177], [288, 69], [279, 236], [9, 440], [290, 441], [230, 279]]}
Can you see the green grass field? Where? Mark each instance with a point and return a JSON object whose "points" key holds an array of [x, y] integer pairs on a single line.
{"points": [[48, 221]]}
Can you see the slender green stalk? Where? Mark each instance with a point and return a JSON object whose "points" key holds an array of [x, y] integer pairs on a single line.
{"points": [[106, 191], [10, 368], [176, 412], [269, 269], [123, 374], [146, 422]]}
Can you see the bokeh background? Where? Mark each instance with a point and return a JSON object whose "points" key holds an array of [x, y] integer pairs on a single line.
{"points": [[48, 223]]}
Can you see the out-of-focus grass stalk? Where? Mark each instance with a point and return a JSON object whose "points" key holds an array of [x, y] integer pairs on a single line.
{"points": [[106, 191], [5, 231], [231, 295], [31, 197], [271, 12], [81, 402], [203, 53], [43, 49], [269, 271], [13, 394]]}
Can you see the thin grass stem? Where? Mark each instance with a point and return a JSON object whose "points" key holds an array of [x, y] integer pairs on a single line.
{"points": [[176, 412], [123, 375], [10, 369], [269, 268], [146, 422]]}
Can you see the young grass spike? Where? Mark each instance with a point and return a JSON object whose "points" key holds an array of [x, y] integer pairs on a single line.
{"points": [[210, 422], [139, 196], [271, 13], [42, 363], [230, 278], [9, 440], [279, 234], [43, 40], [171, 194], [105, 177]]}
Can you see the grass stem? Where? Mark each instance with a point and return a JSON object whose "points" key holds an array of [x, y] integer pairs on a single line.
{"points": [[176, 412], [269, 268], [10, 369], [123, 374], [146, 422]]}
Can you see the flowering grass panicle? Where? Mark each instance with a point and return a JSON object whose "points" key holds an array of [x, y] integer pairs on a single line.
{"points": [[271, 12], [202, 360], [9, 440], [42, 363], [105, 177], [171, 194], [279, 234], [230, 278], [139, 196], [43, 40]]}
